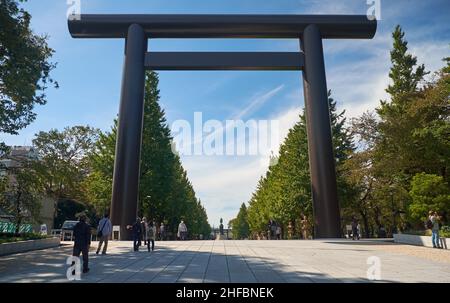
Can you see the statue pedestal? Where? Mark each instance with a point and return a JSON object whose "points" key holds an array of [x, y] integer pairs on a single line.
{"points": [[220, 237]]}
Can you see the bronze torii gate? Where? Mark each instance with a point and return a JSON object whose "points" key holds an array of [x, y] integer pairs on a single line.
{"points": [[309, 29]]}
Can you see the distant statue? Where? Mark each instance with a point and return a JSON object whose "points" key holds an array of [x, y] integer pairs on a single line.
{"points": [[221, 226]]}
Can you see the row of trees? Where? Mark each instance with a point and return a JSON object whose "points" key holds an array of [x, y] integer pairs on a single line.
{"points": [[166, 194], [75, 167], [392, 165]]}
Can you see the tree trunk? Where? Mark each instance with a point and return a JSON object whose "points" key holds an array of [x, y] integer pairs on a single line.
{"points": [[377, 219], [366, 224], [18, 213]]}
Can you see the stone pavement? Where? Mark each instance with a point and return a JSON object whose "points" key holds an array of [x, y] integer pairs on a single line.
{"points": [[237, 262]]}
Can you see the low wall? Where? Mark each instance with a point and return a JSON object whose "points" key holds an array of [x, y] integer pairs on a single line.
{"points": [[419, 240], [23, 246]]}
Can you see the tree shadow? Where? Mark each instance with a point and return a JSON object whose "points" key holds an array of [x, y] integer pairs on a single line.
{"points": [[172, 263]]}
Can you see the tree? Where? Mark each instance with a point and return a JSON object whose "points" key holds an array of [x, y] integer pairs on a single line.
{"points": [[396, 126], [24, 68], [240, 224], [159, 170], [359, 171], [429, 192], [21, 191], [63, 164], [98, 183], [71, 209], [405, 74]]}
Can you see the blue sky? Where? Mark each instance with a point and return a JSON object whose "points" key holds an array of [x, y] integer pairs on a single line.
{"points": [[89, 74]]}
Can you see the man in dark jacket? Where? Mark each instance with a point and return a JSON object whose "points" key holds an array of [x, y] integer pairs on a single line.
{"points": [[137, 234], [82, 234]]}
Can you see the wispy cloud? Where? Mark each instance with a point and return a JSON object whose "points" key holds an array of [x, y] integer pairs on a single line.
{"points": [[253, 105], [258, 101]]}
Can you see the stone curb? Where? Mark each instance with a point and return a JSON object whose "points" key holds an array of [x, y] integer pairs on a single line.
{"points": [[24, 246]]}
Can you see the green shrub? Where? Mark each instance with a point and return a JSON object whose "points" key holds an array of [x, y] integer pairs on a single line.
{"points": [[445, 231], [9, 237]]}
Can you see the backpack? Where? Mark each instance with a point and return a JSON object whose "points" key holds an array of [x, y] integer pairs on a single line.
{"points": [[429, 224]]}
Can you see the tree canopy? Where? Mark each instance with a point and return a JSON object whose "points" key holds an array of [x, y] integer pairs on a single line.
{"points": [[24, 68]]}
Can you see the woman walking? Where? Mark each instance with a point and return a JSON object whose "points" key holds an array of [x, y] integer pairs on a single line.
{"points": [[150, 235], [144, 229]]}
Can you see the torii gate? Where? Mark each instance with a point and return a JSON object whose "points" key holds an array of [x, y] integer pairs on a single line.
{"points": [[309, 29]]}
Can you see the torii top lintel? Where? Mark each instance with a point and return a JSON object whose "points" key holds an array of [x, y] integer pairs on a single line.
{"points": [[223, 26]]}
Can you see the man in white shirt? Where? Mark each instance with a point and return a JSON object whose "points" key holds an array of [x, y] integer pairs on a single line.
{"points": [[103, 232], [182, 231]]}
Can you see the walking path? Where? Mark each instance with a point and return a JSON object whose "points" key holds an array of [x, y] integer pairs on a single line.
{"points": [[237, 262]]}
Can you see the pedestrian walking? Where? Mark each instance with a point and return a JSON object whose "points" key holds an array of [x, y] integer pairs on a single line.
{"points": [[82, 235], [304, 227], [150, 235], [290, 230], [144, 226], [162, 231], [272, 229], [182, 231], [136, 230], [103, 233], [355, 235], [278, 232], [433, 224]]}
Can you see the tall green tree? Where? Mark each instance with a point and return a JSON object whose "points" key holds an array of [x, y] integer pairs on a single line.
{"points": [[396, 127], [240, 224], [405, 74], [165, 192], [98, 183], [158, 165], [63, 164], [284, 194], [24, 68]]}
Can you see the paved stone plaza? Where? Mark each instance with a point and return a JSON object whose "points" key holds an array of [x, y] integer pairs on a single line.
{"points": [[237, 262]]}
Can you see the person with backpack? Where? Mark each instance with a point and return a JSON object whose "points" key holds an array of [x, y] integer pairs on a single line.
{"points": [[105, 229], [433, 224]]}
